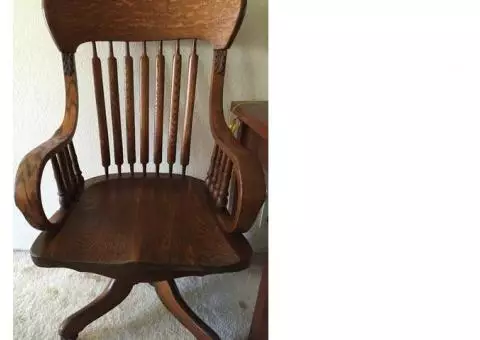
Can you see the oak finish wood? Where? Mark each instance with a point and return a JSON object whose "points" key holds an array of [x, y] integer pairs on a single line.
{"points": [[169, 294], [115, 109], [174, 106], [100, 102], [129, 107], [29, 172], [215, 172], [254, 114], [253, 134], [78, 173], [76, 21], [59, 180], [187, 128], [144, 63], [70, 173], [62, 161], [159, 104], [222, 197], [146, 227], [113, 295], [211, 168], [247, 169], [218, 179], [122, 224]]}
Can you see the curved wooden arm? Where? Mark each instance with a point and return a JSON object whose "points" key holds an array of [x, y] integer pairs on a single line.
{"points": [[27, 182], [29, 174], [250, 178]]}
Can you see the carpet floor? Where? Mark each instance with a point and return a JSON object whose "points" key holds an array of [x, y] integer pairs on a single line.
{"points": [[43, 298]]}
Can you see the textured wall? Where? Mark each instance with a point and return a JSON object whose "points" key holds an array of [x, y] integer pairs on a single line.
{"points": [[39, 96]]}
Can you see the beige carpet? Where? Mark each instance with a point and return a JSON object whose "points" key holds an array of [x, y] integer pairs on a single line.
{"points": [[44, 297]]}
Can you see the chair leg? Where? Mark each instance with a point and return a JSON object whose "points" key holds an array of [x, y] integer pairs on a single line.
{"points": [[169, 294], [114, 293]]}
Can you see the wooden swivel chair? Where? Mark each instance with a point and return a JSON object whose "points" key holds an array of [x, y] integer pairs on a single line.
{"points": [[145, 226]]}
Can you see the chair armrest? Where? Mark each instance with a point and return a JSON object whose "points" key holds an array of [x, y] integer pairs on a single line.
{"points": [[27, 182], [251, 186], [29, 173], [251, 181]]}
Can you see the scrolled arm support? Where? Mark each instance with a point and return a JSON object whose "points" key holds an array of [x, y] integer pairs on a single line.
{"points": [[27, 182], [29, 174], [250, 178]]}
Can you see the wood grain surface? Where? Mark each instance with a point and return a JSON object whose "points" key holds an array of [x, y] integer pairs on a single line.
{"points": [[77, 21], [145, 227]]}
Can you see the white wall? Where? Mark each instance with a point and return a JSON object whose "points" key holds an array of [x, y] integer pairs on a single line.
{"points": [[38, 96]]}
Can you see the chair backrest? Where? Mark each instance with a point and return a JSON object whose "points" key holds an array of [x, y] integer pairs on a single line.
{"points": [[73, 22]]}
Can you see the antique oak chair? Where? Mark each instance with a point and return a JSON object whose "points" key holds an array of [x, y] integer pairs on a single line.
{"points": [[146, 226]]}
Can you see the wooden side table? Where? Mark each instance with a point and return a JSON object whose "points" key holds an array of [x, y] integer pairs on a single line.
{"points": [[253, 134]]}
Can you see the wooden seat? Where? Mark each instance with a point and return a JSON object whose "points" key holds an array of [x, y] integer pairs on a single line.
{"points": [[154, 225]]}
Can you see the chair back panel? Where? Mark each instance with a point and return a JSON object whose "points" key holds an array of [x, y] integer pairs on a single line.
{"points": [[143, 111], [73, 22]]}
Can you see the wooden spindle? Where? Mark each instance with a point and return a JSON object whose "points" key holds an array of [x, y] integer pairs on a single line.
{"points": [[70, 173], [144, 109], [172, 134], [159, 104], [100, 102], [187, 128], [227, 175], [213, 159], [129, 108], [220, 174], [115, 109], [62, 162], [76, 168], [60, 183], [216, 170]]}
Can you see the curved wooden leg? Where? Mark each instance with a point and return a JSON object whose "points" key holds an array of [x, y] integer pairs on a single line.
{"points": [[169, 294], [114, 293]]}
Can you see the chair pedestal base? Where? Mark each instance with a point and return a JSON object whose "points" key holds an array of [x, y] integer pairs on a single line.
{"points": [[114, 293], [169, 294], [117, 291]]}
